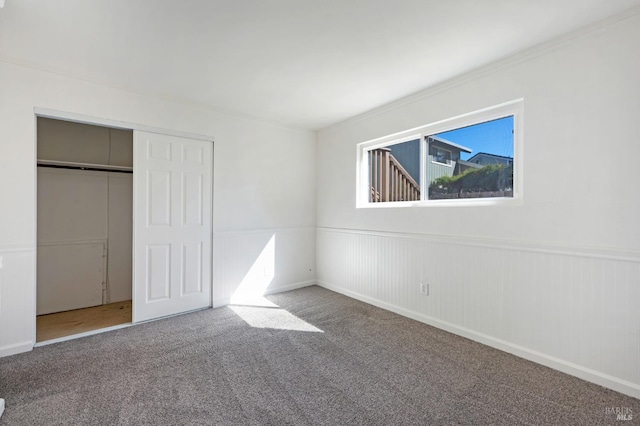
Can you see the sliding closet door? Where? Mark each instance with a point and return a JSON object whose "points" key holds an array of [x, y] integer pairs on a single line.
{"points": [[172, 225]]}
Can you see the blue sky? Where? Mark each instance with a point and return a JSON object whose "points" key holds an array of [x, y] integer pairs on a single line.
{"points": [[494, 137]]}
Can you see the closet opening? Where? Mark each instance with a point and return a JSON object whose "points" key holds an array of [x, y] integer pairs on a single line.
{"points": [[84, 228]]}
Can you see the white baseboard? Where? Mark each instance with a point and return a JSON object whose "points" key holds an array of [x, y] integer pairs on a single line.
{"points": [[1, 406], [224, 301], [593, 376], [289, 287], [218, 303], [28, 346], [16, 349]]}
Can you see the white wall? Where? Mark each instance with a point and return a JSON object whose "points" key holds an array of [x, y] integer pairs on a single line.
{"points": [[264, 181], [557, 279]]}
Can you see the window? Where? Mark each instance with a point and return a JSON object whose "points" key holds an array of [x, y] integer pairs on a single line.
{"points": [[438, 154], [470, 159]]}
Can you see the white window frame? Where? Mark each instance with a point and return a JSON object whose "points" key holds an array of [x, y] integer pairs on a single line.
{"points": [[513, 108]]}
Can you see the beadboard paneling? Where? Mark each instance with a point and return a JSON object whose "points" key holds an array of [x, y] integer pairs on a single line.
{"points": [[573, 310], [17, 323]]}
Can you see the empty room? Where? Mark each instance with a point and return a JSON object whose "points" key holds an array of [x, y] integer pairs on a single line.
{"points": [[319, 212]]}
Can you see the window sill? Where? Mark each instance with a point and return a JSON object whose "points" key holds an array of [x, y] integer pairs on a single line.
{"points": [[442, 164], [466, 202]]}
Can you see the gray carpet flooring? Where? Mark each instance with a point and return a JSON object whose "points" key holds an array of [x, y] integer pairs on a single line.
{"points": [[337, 362]]}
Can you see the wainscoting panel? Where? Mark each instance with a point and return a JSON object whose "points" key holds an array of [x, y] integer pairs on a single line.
{"points": [[16, 292], [262, 262], [572, 309]]}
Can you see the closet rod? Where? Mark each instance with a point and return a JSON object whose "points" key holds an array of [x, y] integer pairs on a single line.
{"points": [[84, 166], [93, 169]]}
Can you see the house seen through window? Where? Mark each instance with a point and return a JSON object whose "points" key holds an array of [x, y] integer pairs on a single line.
{"points": [[481, 165], [470, 162]]}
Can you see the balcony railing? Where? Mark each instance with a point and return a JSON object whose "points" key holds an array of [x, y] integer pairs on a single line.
{"points": [[389, 181]]}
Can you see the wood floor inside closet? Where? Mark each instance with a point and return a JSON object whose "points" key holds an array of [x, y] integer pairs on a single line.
{"points": [[62, 324]]}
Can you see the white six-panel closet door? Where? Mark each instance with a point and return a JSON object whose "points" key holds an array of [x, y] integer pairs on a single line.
{"points": [[172, 225]]}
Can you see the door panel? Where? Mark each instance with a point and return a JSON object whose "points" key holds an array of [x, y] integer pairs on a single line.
{"points": [[159, 198], [193, 199], [172, 217], [191, 268], [158, 272]]}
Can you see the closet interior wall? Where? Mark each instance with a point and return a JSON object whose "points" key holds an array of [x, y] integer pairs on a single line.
{"points": [[84, 215]]}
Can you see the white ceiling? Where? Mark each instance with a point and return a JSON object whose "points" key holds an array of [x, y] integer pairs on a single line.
{"points": [[302, 63]]}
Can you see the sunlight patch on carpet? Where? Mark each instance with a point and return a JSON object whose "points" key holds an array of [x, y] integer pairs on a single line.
{"points": [[249, 303], [272, 317]]}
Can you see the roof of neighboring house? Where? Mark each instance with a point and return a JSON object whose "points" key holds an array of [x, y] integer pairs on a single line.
{"points": [[453, 144], [468, 164], [489, 155]]}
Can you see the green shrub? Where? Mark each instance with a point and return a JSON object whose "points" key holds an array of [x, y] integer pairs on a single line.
{"points": [[492, 177]]}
